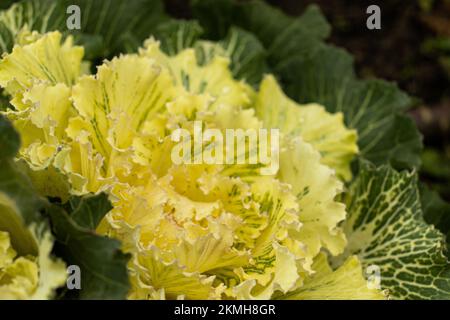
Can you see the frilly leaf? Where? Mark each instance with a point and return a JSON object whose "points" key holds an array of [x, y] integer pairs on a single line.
{"points": [[385, 228], [345, 283], [326, 132]]}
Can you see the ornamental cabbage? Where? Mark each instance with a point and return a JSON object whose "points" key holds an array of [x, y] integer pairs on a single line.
{"points": [[97, 146], [196, 231]]}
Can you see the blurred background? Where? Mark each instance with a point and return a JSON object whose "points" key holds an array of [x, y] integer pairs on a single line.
{"points": [[412, 49]]}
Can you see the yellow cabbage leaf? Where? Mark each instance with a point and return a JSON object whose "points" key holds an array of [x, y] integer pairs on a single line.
{"points": [[326, 132]]}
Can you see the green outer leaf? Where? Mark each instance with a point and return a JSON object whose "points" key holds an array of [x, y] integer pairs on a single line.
{"points": [[436, 164], [247, 54], [122, 24], [261, 19], [7, 3], [175, 36], [102, 263], [400, 145], [314, 21], [89, 210], [385, 227], [4, 101], [37, 15], [215, 16], [18, 190], [9, 139], [13, 182], [107, 27], [436, 211], [281, 35]]}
